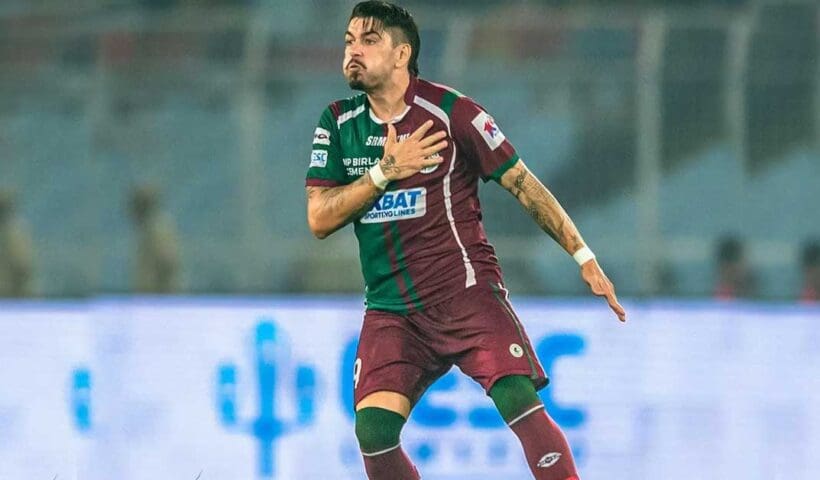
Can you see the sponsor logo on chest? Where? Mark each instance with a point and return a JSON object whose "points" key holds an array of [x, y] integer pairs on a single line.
{"points": [[357, 166], [376, 141], [398, 205]]}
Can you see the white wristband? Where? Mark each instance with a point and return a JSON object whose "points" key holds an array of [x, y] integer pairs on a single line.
{"points": [[583, 255], [378, 177]]}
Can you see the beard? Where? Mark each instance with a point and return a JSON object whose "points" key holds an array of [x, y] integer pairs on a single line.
{"points": [[360, 80], [357, 83]]}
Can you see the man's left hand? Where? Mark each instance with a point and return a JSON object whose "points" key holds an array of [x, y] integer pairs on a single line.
{"points": [[600, 285]]}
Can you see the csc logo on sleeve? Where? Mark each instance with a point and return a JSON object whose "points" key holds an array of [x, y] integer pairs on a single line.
{"points": [[318, 158]]}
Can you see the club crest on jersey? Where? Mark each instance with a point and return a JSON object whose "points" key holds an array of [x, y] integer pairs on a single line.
{"points": [[321, 136], [318, 158], [431, 168], [485, 125], [398, 205]]}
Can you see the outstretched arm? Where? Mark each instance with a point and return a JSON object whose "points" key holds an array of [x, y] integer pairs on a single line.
{"points": [[551, 217]]}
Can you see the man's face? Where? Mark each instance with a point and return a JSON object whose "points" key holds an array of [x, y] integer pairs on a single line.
{"points": [[370, 57]]}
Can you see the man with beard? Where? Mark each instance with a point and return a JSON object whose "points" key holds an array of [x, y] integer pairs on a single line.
{"points": [[402, 162]]}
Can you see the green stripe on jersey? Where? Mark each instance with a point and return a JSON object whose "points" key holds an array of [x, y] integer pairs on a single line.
{"points": [[500, 171], [411, 289], [447, 101], [377, 268]]}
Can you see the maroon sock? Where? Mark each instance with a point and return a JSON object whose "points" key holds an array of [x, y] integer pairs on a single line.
{"points": [[391, 464], [547, 451]]}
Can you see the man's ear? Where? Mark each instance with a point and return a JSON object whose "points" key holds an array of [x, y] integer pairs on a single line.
{"points": [[403, 55]]}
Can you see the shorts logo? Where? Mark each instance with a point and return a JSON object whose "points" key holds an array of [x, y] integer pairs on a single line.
{"points": [[318, 158], [398, 205], [516, 350], [549, 460], [431, 168], [485, 125], [321, 137]]}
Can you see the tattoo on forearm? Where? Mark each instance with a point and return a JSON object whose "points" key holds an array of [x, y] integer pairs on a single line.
{"points": [[544, 208], [365, 205], [333, 200], [518, 184]]}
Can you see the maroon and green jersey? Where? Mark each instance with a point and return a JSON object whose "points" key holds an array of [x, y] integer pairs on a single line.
{"points": [[423, 241]]}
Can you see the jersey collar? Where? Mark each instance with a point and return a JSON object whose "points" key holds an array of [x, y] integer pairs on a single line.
{"points": [[409, 96], [395, 119]]}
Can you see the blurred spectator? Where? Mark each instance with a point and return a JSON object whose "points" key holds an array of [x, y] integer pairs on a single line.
{"points": [[810, 262], [734, 278], [15, 251], [157, 255], [667, 280]]}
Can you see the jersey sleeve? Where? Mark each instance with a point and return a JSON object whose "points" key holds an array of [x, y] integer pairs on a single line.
{"points": [[326, 169], [483, 144]]}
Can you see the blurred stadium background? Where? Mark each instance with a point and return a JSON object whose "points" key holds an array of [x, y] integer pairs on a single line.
{"points": [[662, 126], [671, 131]]}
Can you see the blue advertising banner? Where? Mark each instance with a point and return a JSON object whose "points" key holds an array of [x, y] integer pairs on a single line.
{"points": [[139, 389]]}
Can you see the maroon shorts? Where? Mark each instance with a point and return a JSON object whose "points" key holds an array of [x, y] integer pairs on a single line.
{"points": [[476, 330]]}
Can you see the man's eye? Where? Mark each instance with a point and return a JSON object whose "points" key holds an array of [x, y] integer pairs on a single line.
{"points": [[370, 41], [348, 42]]}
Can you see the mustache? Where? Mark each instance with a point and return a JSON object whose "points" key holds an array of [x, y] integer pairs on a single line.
{"points": [[354, 62]]}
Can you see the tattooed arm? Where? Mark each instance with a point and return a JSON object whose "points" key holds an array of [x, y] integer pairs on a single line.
{"points": [[551, 217], [542, 206], [331, 208]]}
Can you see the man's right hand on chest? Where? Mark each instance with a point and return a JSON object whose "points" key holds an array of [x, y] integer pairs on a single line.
{"points": [[403, 159]]}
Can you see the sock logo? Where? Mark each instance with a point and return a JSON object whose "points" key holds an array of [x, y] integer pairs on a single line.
{"points": [[549, 460]]}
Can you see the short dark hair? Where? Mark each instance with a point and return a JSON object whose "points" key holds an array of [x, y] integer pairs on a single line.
{"points": [[396, 18]]}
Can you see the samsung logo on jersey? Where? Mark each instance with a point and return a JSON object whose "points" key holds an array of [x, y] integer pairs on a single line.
{"points": [[398, 205], [374, 141]]}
